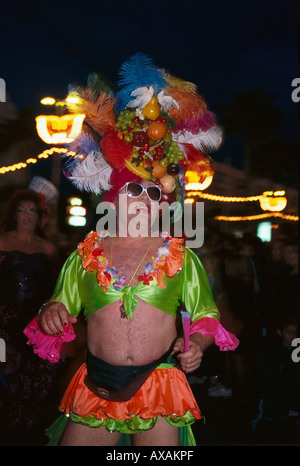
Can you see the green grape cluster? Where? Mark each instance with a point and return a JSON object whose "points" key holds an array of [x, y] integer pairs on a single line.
{"points": [[125, 118], [174, 154]]}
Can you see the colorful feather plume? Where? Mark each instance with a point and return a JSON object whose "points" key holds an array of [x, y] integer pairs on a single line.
{"points": [[91, 174], [186, 86], [98, 108], [84, 143], [115, 150], [190, 105], [203, 122], [206, 141], [97, 83], [137, 71]]}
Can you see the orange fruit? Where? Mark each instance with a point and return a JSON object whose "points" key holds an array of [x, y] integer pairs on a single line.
{"points": [[158, 171], [156, 130]]}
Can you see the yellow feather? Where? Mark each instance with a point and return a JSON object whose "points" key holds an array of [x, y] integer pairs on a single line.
{"points": [[186, 86], [99, 112]]}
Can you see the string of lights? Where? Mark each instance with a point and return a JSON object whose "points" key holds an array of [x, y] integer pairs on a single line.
{"points": [[271, 201], [294, 218], [213, 197], [44, 155]]}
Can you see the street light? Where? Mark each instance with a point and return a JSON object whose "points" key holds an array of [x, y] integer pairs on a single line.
{"points": [[54, 129], [273, 201], [76, 213], [195, 183], [58, 129]]}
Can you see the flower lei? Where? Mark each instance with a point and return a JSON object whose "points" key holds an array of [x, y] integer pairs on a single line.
{"points": [[168, 260]]}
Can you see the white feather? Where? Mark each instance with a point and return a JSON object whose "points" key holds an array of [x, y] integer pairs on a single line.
{"points": [[209, 140], [142, 95], [166, 101], [92, 174]]}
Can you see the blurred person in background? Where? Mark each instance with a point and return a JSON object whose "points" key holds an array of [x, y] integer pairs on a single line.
{"points": [[272, 287], [27, 276], [278, 385], [235, 301], [230, 277], [290, 286], [254, 249]]}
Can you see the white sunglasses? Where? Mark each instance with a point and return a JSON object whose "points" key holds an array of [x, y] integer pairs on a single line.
{"points": [[136, 190]]}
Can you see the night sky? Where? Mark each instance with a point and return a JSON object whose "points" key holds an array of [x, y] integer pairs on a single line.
{"points": [[222, 46]]}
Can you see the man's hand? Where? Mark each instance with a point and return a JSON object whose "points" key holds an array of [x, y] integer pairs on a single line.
{"points": [[53, 318], [191, 359]]}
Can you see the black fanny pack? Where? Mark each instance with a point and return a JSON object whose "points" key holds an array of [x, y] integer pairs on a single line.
{"points": [[118, 383]]}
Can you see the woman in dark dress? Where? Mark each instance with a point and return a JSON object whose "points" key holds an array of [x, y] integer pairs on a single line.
{"points": [[27, 275]]}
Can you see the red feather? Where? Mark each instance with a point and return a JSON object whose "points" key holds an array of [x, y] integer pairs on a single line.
{"points": [[115, 150]]}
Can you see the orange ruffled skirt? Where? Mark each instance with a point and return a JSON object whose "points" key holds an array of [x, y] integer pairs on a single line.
{"points": [[166, 393]]}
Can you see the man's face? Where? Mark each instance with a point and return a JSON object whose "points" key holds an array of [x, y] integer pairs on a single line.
{"points": [[137, 207]]}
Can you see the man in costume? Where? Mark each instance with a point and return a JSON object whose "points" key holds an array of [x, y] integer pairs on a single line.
{"points": [[138, 143]]}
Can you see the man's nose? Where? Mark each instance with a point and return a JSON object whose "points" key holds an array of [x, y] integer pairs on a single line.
{"points": [[143, 197]]}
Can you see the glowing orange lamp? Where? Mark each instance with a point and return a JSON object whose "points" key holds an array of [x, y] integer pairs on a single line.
{"points": [[193, 181], [54, 129], [273, 201]]}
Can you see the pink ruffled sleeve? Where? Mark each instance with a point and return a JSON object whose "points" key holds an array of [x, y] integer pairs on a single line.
{"points": [[209, 326], [46, 346]]}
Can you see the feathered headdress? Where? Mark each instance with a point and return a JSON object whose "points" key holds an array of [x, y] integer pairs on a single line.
{"points": [[155, 127]]}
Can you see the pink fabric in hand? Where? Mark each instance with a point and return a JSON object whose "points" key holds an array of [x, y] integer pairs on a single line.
{"points": [[209, 326], [46, 346]]}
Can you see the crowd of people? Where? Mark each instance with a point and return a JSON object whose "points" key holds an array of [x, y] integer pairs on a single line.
{"points": [[254, 284]]}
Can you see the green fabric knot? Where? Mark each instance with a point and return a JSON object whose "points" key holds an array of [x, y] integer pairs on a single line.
{"points": [[129, 300]]}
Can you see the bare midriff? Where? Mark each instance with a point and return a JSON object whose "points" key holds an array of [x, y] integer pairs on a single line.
{"points": [[146, 336]]}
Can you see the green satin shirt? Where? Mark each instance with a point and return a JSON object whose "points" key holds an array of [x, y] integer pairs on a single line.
{"points": [[76, 289]]}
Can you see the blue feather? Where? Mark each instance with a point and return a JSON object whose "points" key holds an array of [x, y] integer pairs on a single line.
{"points": [[137, 71], [83, 145]]}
